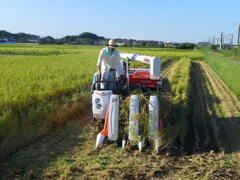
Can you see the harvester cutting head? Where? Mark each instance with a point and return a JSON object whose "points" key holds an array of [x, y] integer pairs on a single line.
{"points": [[105, 103]]}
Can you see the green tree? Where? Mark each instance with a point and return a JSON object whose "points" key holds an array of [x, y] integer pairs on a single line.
{"points": [[88, 35]]}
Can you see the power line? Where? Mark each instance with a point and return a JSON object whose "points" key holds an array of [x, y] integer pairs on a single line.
{"points": [[231, 36]]}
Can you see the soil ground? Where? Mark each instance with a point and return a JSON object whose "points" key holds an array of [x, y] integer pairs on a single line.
{"points": [[211, 149]]}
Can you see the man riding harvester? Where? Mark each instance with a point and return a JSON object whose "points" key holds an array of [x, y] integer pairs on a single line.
{"points": [[115, 78]]}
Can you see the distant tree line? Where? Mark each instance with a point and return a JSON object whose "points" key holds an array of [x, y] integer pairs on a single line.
{"points": [[215, 47], [18, 37], [83, 38], [186, 46]]}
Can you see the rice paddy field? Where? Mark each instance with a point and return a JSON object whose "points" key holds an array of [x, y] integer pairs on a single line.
{"points": [[45, 117]]}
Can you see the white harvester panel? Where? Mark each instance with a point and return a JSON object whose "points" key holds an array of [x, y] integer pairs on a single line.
{"points": [[155, 68], [153, 113], [100, 102], [113, 118], [154, 62], [133, 122]]}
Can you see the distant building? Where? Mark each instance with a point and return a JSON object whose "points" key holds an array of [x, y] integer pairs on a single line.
{"points": [[10, 39], [33, 40], [146, 42], [161, 43], [204, 44], [171, 44]]}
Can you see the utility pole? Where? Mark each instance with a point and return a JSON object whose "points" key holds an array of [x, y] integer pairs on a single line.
{"points": [[213, 40], [239, 35], [221, 41], [231, 41]]}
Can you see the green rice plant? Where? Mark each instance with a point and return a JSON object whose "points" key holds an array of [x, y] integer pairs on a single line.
{"points": [[29, 52], [35, 88], [165, 54], [42, 50], [29, 78], [180, 90]]}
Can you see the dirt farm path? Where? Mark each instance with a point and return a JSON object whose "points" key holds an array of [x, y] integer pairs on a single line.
{"points": [[215, 112], [227, 114]]}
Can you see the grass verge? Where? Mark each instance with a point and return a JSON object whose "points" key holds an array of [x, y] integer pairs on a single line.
{"points": [[228, 71]]}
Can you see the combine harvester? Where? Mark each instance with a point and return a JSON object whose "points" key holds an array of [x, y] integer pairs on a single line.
{"points": [[105, 103]]}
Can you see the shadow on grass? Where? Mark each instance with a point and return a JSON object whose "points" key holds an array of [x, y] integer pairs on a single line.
{"points": [[30, 163], [205, 129]]}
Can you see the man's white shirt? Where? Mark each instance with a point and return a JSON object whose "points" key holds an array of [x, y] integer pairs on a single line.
{"points": [[109, 60]]}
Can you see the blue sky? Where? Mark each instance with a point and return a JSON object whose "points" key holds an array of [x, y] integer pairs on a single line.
{"points": [[165, 20]]}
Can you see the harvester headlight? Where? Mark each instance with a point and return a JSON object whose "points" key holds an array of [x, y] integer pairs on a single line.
{"points": [[97, 100], [99, 106]]}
